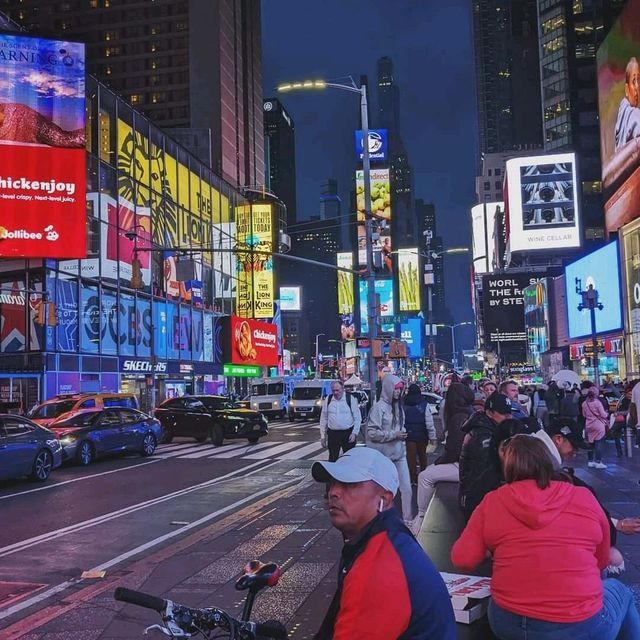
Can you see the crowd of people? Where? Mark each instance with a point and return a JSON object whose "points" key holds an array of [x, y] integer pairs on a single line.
{"points": [[551, 541]]}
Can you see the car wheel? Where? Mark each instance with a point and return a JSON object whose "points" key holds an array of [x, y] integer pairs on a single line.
{"points": [[84, 454], [42, 466], [166, 437], [216, 434], [253, 440], [148, 444]]}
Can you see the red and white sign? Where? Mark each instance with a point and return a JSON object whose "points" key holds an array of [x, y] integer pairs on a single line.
{"points": [[608, 346], [252, 342]]}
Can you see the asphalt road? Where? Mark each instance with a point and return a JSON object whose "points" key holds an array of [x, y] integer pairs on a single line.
{"points": [[119, 509]]}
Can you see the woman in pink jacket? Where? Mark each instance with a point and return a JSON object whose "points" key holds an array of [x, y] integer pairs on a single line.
{"points": [[549, 540], [596, 421]]}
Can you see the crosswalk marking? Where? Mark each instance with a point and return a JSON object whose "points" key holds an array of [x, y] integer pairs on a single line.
{"points": [[212, 449], [268, 453], [301, 452], [182, 452], [248, 449]]}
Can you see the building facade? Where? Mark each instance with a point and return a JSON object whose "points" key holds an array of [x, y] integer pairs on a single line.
{"points": [[190, 66]]}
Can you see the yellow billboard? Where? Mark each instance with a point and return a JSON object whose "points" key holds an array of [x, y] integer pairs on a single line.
{"points": [[346, 301], [409, 280], [255, 294]]}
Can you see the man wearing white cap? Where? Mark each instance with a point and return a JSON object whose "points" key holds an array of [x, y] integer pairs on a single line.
{"points": [[387, 586]]}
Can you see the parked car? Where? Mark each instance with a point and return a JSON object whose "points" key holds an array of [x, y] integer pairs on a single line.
{"points": [[213, 417], [27, 449], [46, 412], [88, 434]]}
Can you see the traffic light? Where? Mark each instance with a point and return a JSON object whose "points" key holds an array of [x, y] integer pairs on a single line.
{"points": [[46, 313], [41, 311], [136, 274]]}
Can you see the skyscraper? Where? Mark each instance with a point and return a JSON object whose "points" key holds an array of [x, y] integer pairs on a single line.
{"points": [[193, 67], [388, 116], [507, 74], [280, 155]]}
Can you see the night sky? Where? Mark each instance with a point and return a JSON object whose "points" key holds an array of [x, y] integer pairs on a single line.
{"points": [[432, 50]]}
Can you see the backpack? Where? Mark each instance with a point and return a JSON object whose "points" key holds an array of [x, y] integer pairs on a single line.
{"points": [[350, 397]]}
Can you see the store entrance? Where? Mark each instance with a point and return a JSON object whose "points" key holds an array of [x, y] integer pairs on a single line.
{"points": [[19, 393]]}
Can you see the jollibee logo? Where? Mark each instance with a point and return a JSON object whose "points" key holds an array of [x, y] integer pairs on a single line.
{"points": [[52, 234]]}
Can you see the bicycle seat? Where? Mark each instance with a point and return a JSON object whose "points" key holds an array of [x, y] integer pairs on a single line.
{"points": [[258, 575]]}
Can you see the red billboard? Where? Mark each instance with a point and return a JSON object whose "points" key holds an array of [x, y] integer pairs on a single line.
{"points": [[251, 342], [42, 148]]}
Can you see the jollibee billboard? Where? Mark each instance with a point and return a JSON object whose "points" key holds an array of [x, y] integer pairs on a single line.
{"points": [[42, 148], [250, 342], [543, 202]]}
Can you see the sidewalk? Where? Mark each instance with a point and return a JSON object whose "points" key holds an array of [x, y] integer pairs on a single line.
{"points": [[291, 528]]}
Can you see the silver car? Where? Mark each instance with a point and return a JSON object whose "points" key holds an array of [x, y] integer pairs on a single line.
{"points": [[27, 449]]}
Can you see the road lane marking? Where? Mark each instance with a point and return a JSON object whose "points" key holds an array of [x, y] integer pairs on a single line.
{"points": [[79, 526], [211, 449], [95, 475], [44, 595], [303, 451], [176, 447], [249, 449], [269, 453]]}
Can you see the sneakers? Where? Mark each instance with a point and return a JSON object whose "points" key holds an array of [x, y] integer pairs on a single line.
{"points": [[600, 465], [591, 464]]}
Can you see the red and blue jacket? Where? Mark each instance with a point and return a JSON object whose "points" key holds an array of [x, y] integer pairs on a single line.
{"points": [[388, 589]]}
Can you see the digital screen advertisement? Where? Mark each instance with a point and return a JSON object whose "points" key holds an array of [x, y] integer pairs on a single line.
{"points": [[290, 299], [42, 148], [411, 332], [619, 110], [602, 270], [483, 218], [384, 289], [543, 203], [250, 342], [346, 293], [381, 208], [409, 280], [536, 316], [377, 145]]}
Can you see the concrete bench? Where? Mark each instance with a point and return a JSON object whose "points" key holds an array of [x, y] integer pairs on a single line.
{"points": [[441, 527]]}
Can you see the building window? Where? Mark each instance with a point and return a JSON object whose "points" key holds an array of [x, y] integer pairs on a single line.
{"points": [[553, 23], [556, 110], [497, 172], [585, 50], [553, 45], [111, 51], [135, 98], [594, 186], [487, 186], [577, 7], [498, 184], [489, 172]]}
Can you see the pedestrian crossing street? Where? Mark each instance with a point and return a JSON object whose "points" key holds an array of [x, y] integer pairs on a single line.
{"points": [[273, 447]]}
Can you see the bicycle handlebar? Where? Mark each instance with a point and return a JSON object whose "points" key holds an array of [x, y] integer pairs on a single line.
{"points": [[140, 599]]}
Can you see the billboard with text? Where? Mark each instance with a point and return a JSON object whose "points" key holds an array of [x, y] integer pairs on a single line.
{"points": [[42, 148], [380, 206]]}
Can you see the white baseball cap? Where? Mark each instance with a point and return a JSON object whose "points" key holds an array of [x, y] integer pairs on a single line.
{"points": [[359, 465]]}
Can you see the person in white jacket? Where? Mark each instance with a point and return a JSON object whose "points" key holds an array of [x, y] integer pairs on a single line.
{"points": [[340, 421], [386, 433]]}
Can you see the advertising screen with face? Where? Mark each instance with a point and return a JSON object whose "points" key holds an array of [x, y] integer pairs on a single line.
{"points": [[619, 110], [543, 205], [251, 342], [600, 269], [42, 148]]}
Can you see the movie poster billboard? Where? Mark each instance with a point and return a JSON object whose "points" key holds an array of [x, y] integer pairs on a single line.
{"points": [[619, 111], [408, 280], [543, 203], [381, 208], [255, 295], [42, 148]]}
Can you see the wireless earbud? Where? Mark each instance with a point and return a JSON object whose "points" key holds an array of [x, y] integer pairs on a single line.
{"points": [[381, 505]]}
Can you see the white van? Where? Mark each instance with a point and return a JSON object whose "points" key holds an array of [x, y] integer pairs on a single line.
{"points": [[306, 399], [269, 396]]}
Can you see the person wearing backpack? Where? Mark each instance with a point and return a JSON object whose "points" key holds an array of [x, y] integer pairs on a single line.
{"points": [[340, 421]]}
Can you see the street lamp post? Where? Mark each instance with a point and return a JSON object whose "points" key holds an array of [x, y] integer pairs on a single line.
{"points": [[372, 325], [317, 354], [452, 328], [590, 300]]}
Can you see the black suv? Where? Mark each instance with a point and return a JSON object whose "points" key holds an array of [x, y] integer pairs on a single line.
{"points": [[215, 417]]}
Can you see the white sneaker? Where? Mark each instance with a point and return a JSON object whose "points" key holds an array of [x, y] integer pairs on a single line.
{"points": [[600, 465], [591, 464]]}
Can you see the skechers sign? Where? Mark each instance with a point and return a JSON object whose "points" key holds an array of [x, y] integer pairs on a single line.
{"points": [[143, 366], [42, 148], [377, 145]]}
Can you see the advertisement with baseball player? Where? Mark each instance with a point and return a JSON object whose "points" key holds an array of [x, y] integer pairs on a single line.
{"points": [[250, 342]]}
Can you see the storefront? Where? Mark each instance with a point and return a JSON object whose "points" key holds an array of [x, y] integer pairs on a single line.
{"points": [[611, 361]]}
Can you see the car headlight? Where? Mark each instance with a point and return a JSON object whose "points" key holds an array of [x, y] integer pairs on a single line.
{"points": [[255, 405], [275, 403], [67, 439], [318, 403], [292, 403]]}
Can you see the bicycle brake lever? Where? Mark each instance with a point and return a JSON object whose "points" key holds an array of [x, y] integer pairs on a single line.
{"points": [[172, 630]]}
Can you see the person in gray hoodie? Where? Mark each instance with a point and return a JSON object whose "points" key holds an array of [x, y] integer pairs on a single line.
{"points": [[386, 433]]}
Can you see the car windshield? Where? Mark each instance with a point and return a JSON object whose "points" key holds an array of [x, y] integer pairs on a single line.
{"points": [[306, 393], [52, 410], [219, 403], [259, 390], [271, 389], [79, 419]]}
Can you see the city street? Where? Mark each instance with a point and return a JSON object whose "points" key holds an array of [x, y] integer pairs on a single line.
{"points": [[121, 511]]}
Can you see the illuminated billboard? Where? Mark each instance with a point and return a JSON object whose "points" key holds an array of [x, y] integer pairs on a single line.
{"points": [[543, 203], [483, 217], [381, 209], [383, 289], [249, 342], [617, 64], [408, 280], [537, 317], [346, 294], [254, 240], [290, 299], [42, 148], [601, 269], [377, 145]]}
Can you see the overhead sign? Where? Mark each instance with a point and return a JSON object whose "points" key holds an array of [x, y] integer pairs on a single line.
{"points": [[408, 280], [142, 366], [251, 342], [42, 148], [241, 371], [377, 145], [601, 268], [503, 303], [543, 203], [290, 299], [254, 241], [610, 347], [346, 294]]}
